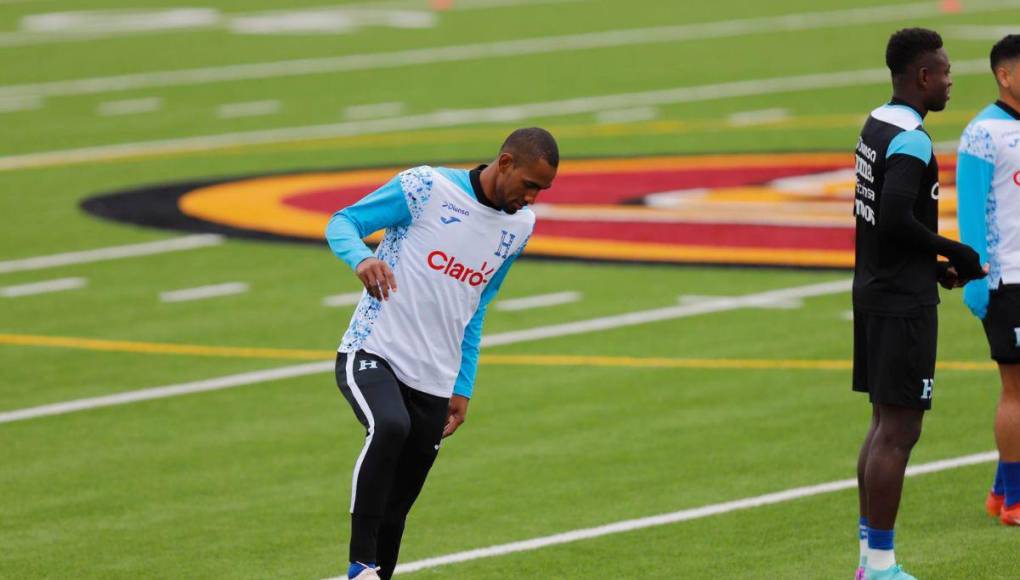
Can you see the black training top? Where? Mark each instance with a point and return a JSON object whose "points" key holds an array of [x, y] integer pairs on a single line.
{"points": [[896, 204]]}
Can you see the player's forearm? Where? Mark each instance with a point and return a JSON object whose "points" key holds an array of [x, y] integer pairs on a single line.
{"points": [[345, 241]]}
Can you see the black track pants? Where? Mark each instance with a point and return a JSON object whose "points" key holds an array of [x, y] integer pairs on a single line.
{"points": [[404, 430]]}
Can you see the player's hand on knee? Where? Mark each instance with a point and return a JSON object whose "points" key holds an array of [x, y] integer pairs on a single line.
{"points": [[377, 277], [456, 415]]}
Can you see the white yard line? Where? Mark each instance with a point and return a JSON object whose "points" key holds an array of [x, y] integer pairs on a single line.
{"points": [[168, 391], [453, 118], [680, 516], [540, 301], [980, 32], [336, 300], [112, 253], [659, 314], [759, 117], [373, 111], [48, 286], [634, 115], [18, 104], [129, 107], [539, 333], [247, 109], [499, 49], [779, 303], [204, 292]]}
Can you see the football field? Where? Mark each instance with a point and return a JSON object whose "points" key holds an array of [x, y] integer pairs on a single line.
{"points": [[664, 386]]}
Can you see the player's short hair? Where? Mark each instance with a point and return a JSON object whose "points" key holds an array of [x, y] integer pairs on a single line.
{"points": [[532, 143], [909, 44], [1006, 49]]}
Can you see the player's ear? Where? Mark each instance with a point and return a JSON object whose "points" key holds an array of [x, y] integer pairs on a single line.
{"points": [[923, 76], [505, 161], [1003, 76]]}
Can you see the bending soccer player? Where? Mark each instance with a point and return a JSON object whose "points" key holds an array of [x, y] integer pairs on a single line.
{"points": [[895, 289], [407, 362], [987, 182]]}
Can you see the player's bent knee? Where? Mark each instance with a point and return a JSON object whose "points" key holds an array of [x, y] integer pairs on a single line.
{"points": [[392, 429]]}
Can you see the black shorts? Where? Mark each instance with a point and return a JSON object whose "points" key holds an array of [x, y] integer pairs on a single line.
{"points": [[1002, 324], [894, 357]]}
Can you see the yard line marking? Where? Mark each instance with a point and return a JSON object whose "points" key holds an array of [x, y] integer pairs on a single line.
{"points": [[784, 304], [215, 384], [633, 115], [17, 104], [540, 301], [247, 109], [98, 344], [34, 288], [203, 292], [112, 253], [668, 313], [539, 333], [349, 299], [498, 49], [759, 117], [129, 107], [685, 515], [453, 118], [375, 111], [980, 32]]}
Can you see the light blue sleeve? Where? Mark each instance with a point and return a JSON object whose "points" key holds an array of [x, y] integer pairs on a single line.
{"points": [[383, 208], [973, 186], [465, 384], [914, 143]]}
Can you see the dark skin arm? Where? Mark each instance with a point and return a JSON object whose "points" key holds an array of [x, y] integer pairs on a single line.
{"points": [[377, 277], [457, 414]]}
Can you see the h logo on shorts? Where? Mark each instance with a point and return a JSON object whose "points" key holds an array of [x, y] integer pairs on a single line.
{"points": [[1016, 332], [367, 364], [506, 240], [926, 392]]}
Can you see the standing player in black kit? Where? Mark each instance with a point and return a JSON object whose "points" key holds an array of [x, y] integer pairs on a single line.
{"points": [[894, 292]]}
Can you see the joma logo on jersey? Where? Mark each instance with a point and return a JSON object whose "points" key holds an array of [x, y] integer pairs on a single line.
{"points": [[455, 209], [450, 266]]}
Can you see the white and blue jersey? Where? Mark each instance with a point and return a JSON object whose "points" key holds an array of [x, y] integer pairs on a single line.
{"points": [[988, 189], [449, 253]]}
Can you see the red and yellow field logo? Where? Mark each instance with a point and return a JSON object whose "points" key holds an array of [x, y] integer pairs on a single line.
{"points": [[755, 209]]}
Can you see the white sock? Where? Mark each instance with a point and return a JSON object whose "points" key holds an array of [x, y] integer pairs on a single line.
{"points": [[881, 559], [864, 551]]}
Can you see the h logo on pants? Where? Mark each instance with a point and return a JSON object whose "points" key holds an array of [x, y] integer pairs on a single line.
{"points": [[926, 392], [367, 364]]}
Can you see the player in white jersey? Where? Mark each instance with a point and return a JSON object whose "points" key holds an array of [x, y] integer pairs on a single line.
{"points": [[407, 362], [988, 185]]}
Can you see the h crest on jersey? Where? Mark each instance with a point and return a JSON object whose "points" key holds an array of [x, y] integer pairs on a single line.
{"points": [[506, 241]]}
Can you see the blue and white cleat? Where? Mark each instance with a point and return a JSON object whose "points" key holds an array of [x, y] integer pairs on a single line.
{"points": [[359, 571], [891, 573]]}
